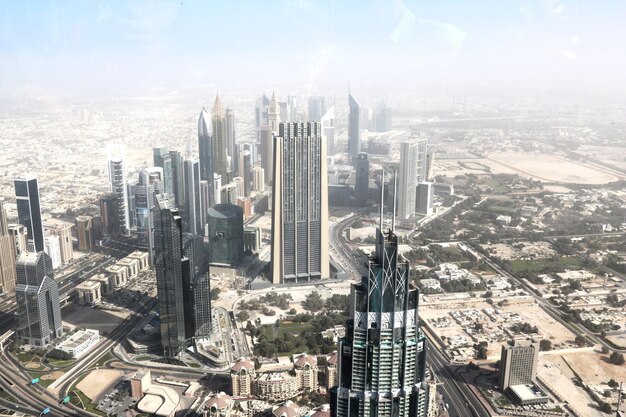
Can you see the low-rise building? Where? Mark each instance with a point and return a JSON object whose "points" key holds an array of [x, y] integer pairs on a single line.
{"points": [[331, 370], [131, 265], [142, 258], [89, 292], [306, 369], [242, 375], [119, 275], [276, 386], [218, 405], [105, 282], [287, 409], [139, 382], [80, 342]]}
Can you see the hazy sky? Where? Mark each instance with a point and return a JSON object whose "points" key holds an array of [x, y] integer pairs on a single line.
{"points": [[113, 46]]}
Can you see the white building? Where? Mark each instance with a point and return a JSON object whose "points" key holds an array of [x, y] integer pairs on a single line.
{"points": [[80, 342], [52, 246]]}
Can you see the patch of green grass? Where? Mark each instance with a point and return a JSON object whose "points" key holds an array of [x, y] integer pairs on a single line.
{"points": [[46, 382], [193, 364], [144, 358], [272, 331], [60, 362], [86, 403], [543, 264], [103, 359], [25, 357]]}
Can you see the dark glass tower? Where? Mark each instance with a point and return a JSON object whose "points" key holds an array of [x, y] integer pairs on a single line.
{"points": [[382, 357], [178, 178], [197, 288], [362, 180], [37, 298], [225, 224], [29, 210], [163, 159], [169, 264]]}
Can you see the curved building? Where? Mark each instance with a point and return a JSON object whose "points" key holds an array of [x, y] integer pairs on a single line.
{"points": [[225, 224]]}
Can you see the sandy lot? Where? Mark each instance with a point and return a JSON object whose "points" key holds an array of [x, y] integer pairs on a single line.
{"points": [[555, 371], [52, 375], [97, 383], [594, 368], [550, 168]]}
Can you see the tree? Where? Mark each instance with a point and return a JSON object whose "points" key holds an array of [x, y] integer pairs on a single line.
{"points": [[313, 302], [613, 383], [580, 341], [243, 315], [545, 345], [617, 358], [605, 407], [605, 350], [215, 293]]}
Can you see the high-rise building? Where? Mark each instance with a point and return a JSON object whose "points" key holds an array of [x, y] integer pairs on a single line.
{"points": [[261, 111], [149, 185], [217, 189], [19, 235], [8, 253], [354, 127], [231, 145], [382, 357], [193, 216], [163, 160], [407, 178], [220, 140], [29, 210], [108, 213], [518, 364], [84, 232], [178, 178], [300, 204], [267, 151], [206, 157], [382, 118], [251, 239], [362, 176], [119, 187], [196, 288], [273, 114], [317, 108], [170, 265], [424, 199], [53, 250], [328, 130], [245, 172], [258, 178], [225, 225], [64, 232], [37, 297]]}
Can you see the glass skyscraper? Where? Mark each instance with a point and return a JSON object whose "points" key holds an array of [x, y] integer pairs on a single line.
{"points": [[382, 357], [29, 210]]}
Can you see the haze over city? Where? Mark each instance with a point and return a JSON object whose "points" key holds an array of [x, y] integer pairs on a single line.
{"points": [[313, 208]]}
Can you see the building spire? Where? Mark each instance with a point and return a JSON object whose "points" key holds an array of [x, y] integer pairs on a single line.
{"points": [[218, 109]]}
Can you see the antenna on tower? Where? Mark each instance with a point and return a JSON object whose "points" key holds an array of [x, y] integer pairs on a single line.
{"points": [[382, 199], [393, 214]]}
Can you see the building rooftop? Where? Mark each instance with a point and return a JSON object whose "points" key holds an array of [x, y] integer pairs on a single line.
{"points": [[527, 392], [78, 338], [88, 285], [159, 400]]}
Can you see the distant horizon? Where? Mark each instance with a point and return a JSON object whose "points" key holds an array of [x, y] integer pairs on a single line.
{"points": [[70, 48]]}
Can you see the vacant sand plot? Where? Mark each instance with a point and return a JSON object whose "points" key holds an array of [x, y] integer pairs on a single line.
{"points": [[613, 155], [549, 168], [52, 376], [593, 367], [555, 371], [97, 383]]}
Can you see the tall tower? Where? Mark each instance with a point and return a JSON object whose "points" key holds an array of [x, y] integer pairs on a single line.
{"points": [[225, 224], [37, 297], [300, 204], [220, 140], [178, 178], [84, 232], [354, 127], [193, 203], [317, 108], [163, 160], [169, 265], [408, 178], [29, 210], [273, 114], [117, 182], [266, 140], [231, 146], [205, 151], [328, 130], [7, 253], [382, 357], [362, 174]]}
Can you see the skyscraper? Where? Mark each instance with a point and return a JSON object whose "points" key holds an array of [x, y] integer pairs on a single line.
{"points": [[328, 130], [29, 210], [518, 364], [53, 250], [149, 185], [7, 253], [231, 146], [354, 127], [300, 204], [37, 297], [261, 111], [382, 357], [169, 265], [424, 198], [408, 178], [362, 174], [382, 118], [84, 232], [193, 204], [225, 224], [267, 151], [205, 152], [258, 178], [64, 232], [245, 171], [273, 114], [220, 140], [196, 287], [317, 108], [117, 182], [163, 160], [178, 178], [108, 213]]}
